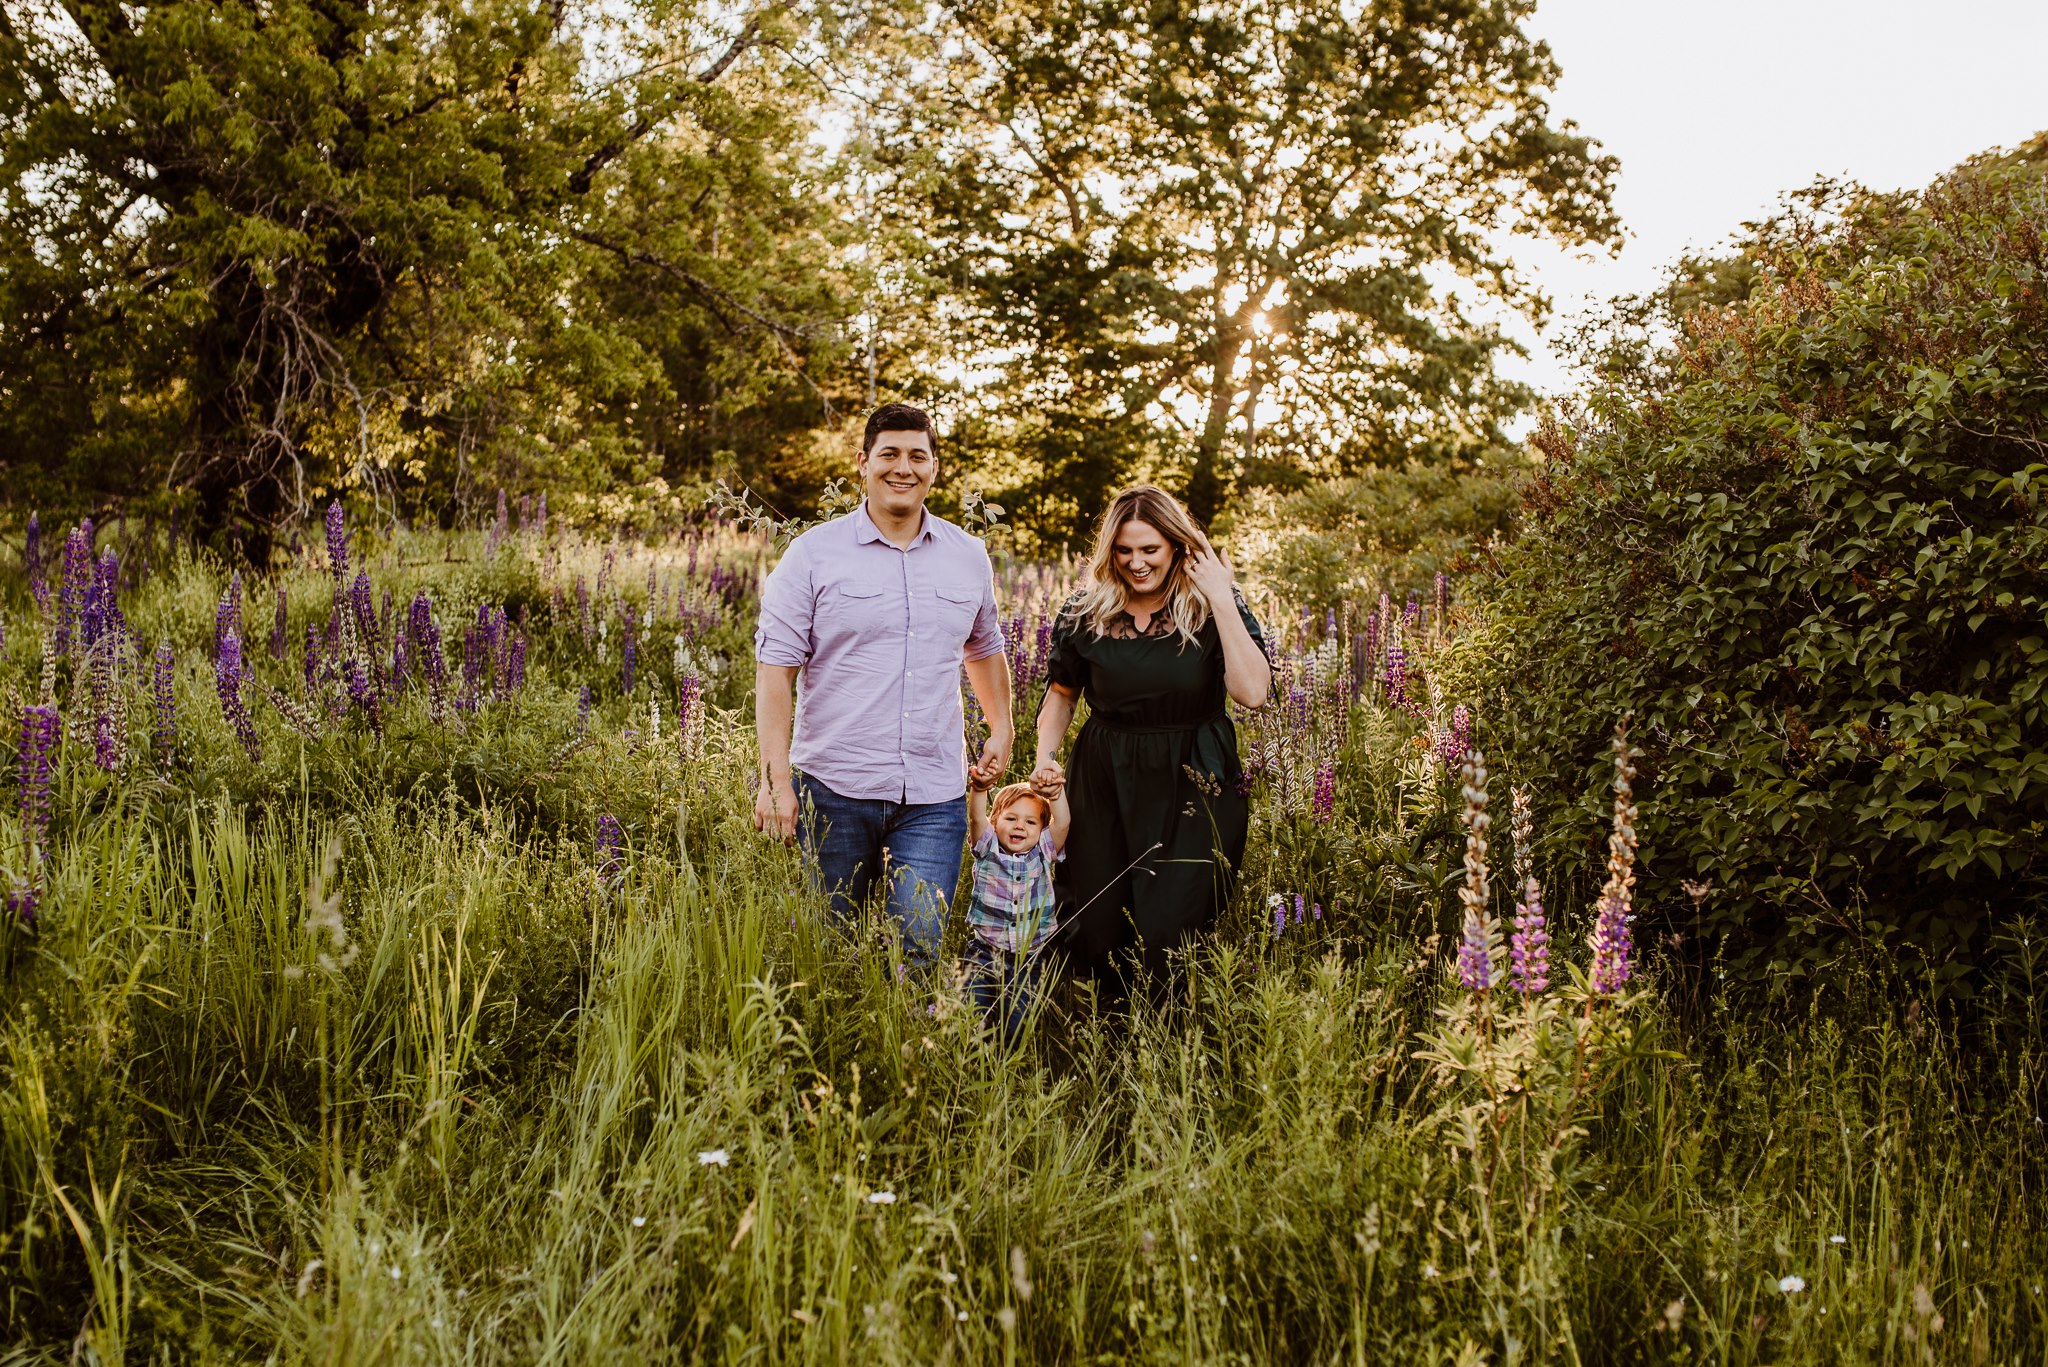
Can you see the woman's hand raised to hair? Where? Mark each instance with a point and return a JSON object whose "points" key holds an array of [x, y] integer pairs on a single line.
{"points": [[1211, 575]]}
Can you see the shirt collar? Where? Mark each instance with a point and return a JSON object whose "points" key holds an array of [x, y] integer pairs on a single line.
{"points": [[865, 530]]}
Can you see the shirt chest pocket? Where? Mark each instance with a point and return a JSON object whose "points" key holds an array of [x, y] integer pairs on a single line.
{"points": [[863, 609], [956, 609]]}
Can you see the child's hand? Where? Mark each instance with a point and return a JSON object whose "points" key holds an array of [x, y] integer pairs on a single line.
{"points": [[1049, 780]]}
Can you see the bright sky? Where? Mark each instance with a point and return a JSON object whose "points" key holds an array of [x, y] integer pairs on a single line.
{"points": [[1716, 110]]}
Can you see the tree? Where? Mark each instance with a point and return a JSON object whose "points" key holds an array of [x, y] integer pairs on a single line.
{"points": [[253, 249], [1266, 232]]}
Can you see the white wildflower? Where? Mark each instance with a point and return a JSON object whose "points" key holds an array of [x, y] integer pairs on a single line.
{"points": [[1792, 1284], [709, 1157]]}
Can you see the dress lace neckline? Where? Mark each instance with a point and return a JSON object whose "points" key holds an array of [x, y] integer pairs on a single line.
{"points": [[1124, 627]]}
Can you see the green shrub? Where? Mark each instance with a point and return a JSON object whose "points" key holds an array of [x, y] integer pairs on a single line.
{"points": [[1804, 545]]}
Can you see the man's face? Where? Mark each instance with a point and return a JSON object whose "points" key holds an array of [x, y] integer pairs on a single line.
{"points": [[897, 472], [1018, 826]]}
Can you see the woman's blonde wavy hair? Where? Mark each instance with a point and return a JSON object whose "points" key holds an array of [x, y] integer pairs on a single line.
{"points": [[1106, 596]]}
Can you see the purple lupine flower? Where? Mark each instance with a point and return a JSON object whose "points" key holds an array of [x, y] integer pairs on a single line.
{"points": [[611, 847], [1324, 809], [166, 706], [32, 561], [540, 520], [689, 705], [583, 608], [629, 652], [426, 646], [515, 664], [583, 711], [1612, 938], [41, 727], [472, 670], [1277, 904], [364, 696], [1529, 946], [280, 626], [78, 577], [526, 512], [100, 613], [1300, 908], [1443, 601], [21, 902], [363, 606], [228, 678], [227, 617], [1612, 941], [337, 546], [1411, 615], [1476, 932], [1396, 677], [1317, 911], [501, 526]]}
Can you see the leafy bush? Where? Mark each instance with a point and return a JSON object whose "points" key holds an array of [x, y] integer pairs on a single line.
{"points": [[1804, 544]]}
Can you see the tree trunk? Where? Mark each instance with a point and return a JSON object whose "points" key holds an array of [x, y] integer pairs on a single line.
{"points": [[1206, 491]]}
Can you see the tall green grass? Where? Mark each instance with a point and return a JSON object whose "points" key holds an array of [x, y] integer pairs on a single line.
{"points": [[354, 1057]]}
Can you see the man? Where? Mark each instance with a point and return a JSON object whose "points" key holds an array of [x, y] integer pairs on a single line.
{"points": [[877, 611]]}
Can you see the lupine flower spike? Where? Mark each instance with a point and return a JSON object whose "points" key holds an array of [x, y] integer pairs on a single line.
{"points": [[1612, 939], [228, 678], [1529, 946], [41, 728], [611, 846], [337, 547], [1477, 939]]}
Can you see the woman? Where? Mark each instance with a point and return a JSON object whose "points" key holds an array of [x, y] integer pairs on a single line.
{"points": [[1156, 640]]}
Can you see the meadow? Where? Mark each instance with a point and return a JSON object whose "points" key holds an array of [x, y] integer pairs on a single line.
{"points": [[391, 974]]}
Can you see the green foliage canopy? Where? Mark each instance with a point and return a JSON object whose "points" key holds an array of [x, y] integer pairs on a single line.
{"points": [[420, 249], [1807, 548], [1251, 239]]}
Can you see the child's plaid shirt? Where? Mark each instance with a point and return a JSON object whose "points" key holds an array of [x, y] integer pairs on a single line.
{"points": [[1012, 904]]}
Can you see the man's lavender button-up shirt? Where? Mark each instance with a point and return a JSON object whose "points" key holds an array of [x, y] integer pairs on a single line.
{"points": [[878, 634]]}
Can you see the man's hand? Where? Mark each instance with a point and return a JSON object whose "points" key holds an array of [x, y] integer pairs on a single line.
{"points": [[1048, 779], [995, 758], [775, 809]]}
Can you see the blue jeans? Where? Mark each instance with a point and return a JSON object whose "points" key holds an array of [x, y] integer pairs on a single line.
{"points": [[1003, 985], [847, 839]]}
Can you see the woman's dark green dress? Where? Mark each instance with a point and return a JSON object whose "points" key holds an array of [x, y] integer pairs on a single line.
{"points": [[1159, 819]]}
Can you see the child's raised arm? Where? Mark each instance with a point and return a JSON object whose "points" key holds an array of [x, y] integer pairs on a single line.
{"points": [[977, 813], [1061, 817]]}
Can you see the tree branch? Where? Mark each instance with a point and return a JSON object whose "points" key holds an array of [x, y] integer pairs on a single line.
{"points": [[580, 181]]}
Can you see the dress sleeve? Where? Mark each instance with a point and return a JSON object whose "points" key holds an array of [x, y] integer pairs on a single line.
{"points": [[1251, 624], [1064, 665]]}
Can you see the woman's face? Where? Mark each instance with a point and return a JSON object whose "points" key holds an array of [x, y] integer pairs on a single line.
{"points": [[1142, 556]]}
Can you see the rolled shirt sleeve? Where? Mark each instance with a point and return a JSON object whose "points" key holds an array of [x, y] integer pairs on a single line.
{"points": [[786, 634], [986, 637]]}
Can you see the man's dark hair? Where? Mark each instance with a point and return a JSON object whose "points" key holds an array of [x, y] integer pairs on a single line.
{"points": [[899, 417]]}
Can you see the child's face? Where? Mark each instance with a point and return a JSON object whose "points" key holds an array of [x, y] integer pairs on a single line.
{"points": [[1018, 826]]}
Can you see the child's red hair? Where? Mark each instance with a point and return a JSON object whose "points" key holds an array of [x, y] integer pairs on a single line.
{"points": [[1005, 798]]}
